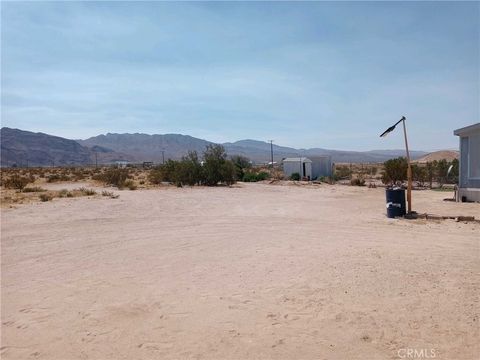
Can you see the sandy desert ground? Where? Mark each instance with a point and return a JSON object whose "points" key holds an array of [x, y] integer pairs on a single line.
{"points": [[255, 271]]}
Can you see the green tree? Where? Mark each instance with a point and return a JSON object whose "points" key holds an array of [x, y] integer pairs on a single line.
{"points": [[394, 170], [229, 172], [241, 164], [442, 169], [214, 158], [453, 176], [431, 170], [419, 174], [165, 172], [189, 171]]}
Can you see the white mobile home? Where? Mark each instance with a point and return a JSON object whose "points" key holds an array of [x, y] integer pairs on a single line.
{"points": [[469, 172]]}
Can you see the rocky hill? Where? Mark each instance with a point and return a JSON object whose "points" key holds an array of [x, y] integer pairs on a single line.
{"points": [[448, 155], [25, 148], [144, 147]]}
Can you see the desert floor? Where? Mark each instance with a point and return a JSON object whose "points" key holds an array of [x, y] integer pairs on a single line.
{"points": [[256, 271]]}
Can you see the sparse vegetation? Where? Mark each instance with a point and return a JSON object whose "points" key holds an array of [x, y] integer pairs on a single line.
{"points": [[252, 176], [295, 176], [17, 182], [110, 194], [113, 176], [87, 192], [33, 189], [394, 170], [190, 171], [130, 184], [242, 164], [45, 197], [342, 172], [357, 182]]}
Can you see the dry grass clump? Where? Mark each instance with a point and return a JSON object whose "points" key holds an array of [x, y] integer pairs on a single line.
{"points": [[33, 189], [113, 176], [17, 182], [130, 184], [87, 192], [45, 197], [110, 194], [57, 177], [65, 193]]}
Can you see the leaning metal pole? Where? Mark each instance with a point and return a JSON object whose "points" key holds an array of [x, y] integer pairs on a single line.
{"points": [[409, 171]]}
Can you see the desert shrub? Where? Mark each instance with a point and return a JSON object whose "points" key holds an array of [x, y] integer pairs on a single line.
{"points": [[357, 182], [342, 172], [442, 169], [241, 163], [65, 193], [262, 175], [45, 197], [419, 174], [295, 176], [87, 192], [214, 158], [17, 182], [110, 194], [254, 177], [453, 176], [57, 177], [163, 173], [130, 185], [33, 189], [228, 172], [78, 175], [113, 176], [326, 179], [189, 170], [394, 170]]}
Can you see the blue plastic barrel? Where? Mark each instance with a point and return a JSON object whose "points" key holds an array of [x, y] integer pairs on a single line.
{"points": [[395, 202]]}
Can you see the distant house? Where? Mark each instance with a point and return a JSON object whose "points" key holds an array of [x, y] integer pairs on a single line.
{"points": [[469, 172], [121, 163], [300, 165]]}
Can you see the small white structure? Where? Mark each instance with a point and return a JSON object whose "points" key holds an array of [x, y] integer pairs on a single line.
{"points": [[121, 163], [321, 166], [469, 172], [300, 165]]}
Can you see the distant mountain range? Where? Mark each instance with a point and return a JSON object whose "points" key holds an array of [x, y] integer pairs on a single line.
{"points": [[24, 148]]}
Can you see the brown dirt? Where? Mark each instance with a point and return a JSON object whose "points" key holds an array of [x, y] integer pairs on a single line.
{"points": [[255, 271]]}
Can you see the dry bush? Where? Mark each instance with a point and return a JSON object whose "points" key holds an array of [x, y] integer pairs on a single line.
{"points": [[17, 182], [45, 197], [115, 177], [33, 189], [86, 191], [110, 194], [357, 182], [130, 184]]}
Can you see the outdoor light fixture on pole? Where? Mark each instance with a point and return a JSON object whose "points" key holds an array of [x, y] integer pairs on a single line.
{"points": [[409, 168]]}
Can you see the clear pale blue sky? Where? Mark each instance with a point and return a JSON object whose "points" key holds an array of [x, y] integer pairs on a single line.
{"points": [[310, 74]]}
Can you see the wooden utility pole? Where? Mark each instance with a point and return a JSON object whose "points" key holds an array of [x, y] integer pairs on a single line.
{"points": [[271, 151], [409, 166], [409, 170]]}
